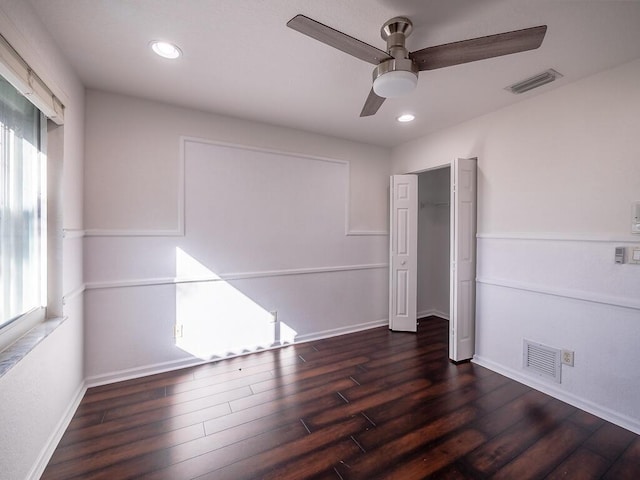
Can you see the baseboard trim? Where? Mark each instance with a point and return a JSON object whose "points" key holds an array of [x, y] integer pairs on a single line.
{"points": [[131, 373], [137, 372], [342, 331], [45, 455], [355, 233], [623, 421]]}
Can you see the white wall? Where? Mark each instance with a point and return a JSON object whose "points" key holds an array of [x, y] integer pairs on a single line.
{"points": [[557, 175], [39, 394], [434, 187], [296, 222]]}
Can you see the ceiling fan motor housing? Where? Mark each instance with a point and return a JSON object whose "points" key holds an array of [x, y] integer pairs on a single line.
{"points": [[398, 75]]}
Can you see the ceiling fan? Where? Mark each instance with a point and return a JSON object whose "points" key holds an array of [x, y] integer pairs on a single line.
{"points": [[396, 71]]}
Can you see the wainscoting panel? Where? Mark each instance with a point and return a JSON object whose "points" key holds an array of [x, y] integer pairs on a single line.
{"points": [[568, 294]]}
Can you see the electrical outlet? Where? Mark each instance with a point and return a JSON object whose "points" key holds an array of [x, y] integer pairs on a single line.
{"points": [[274, 316], [567, 358], [177, 332]]}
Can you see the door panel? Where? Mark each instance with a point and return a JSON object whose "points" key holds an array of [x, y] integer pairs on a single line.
{"points": [[403, 261], [463, 259], [402, 280]]}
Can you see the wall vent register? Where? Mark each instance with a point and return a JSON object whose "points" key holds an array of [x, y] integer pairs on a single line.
{"points": [[630, 255], [542, 360]]}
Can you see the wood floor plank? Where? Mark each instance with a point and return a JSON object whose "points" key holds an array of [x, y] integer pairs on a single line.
{"points": [[319, 364], [89, 408], [512, 442], [303, 391], [423, 363], [433, 459], [375, 399], [582, 464], [432, 422], [322, 439], [390, 452], [171, 406], [628, 465], [501, 394], [285, 411], [453, 472], [293, 376], [397, 358], [162, 422], [95, 444], [262, 370], [85, 465], [541, 458], [610, 441], [83, 421], [511, 412], [288, 382], [285, 355], [222, 385], [586, 420], [191, 459], [367, 405], [376, 379], [307, 465], [414, 410], [421, 403], [373, 346]]}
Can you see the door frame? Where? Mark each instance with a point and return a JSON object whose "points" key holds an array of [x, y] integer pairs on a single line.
{"points": [[452, 332]]}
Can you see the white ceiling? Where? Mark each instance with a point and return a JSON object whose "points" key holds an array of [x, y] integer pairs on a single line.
{"points": [[241, 60]]}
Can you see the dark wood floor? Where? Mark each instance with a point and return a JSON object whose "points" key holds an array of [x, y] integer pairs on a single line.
{"points": [[368, 405]]}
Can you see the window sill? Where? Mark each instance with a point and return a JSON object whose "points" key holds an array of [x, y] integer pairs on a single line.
{"points": [[15, 352]]}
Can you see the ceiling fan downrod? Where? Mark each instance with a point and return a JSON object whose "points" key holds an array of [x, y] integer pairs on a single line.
{"points": [[396, 76]]}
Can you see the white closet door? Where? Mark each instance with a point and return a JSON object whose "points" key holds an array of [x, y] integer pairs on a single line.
{"points": [[403, 262], [463, 259]]}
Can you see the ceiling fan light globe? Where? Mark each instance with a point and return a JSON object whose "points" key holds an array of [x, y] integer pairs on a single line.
{"points": [[395, 84]]}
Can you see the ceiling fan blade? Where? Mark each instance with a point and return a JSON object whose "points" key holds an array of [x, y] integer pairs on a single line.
{"points": [[372, 104], [480, 48], [337, 39]]}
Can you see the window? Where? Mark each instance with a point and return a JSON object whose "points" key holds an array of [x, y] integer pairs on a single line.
{"points": [[23, 196]]}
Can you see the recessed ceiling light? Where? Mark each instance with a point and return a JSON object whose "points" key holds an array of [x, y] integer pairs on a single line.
{"points": [[165, 49], [407, 117]]}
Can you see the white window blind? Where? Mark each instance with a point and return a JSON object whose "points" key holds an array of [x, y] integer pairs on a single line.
{"points": [[19, 74], [22, 206]]}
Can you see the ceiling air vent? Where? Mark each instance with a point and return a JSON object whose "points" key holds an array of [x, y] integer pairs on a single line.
{"points": [[542, 360], [536, 81]]}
